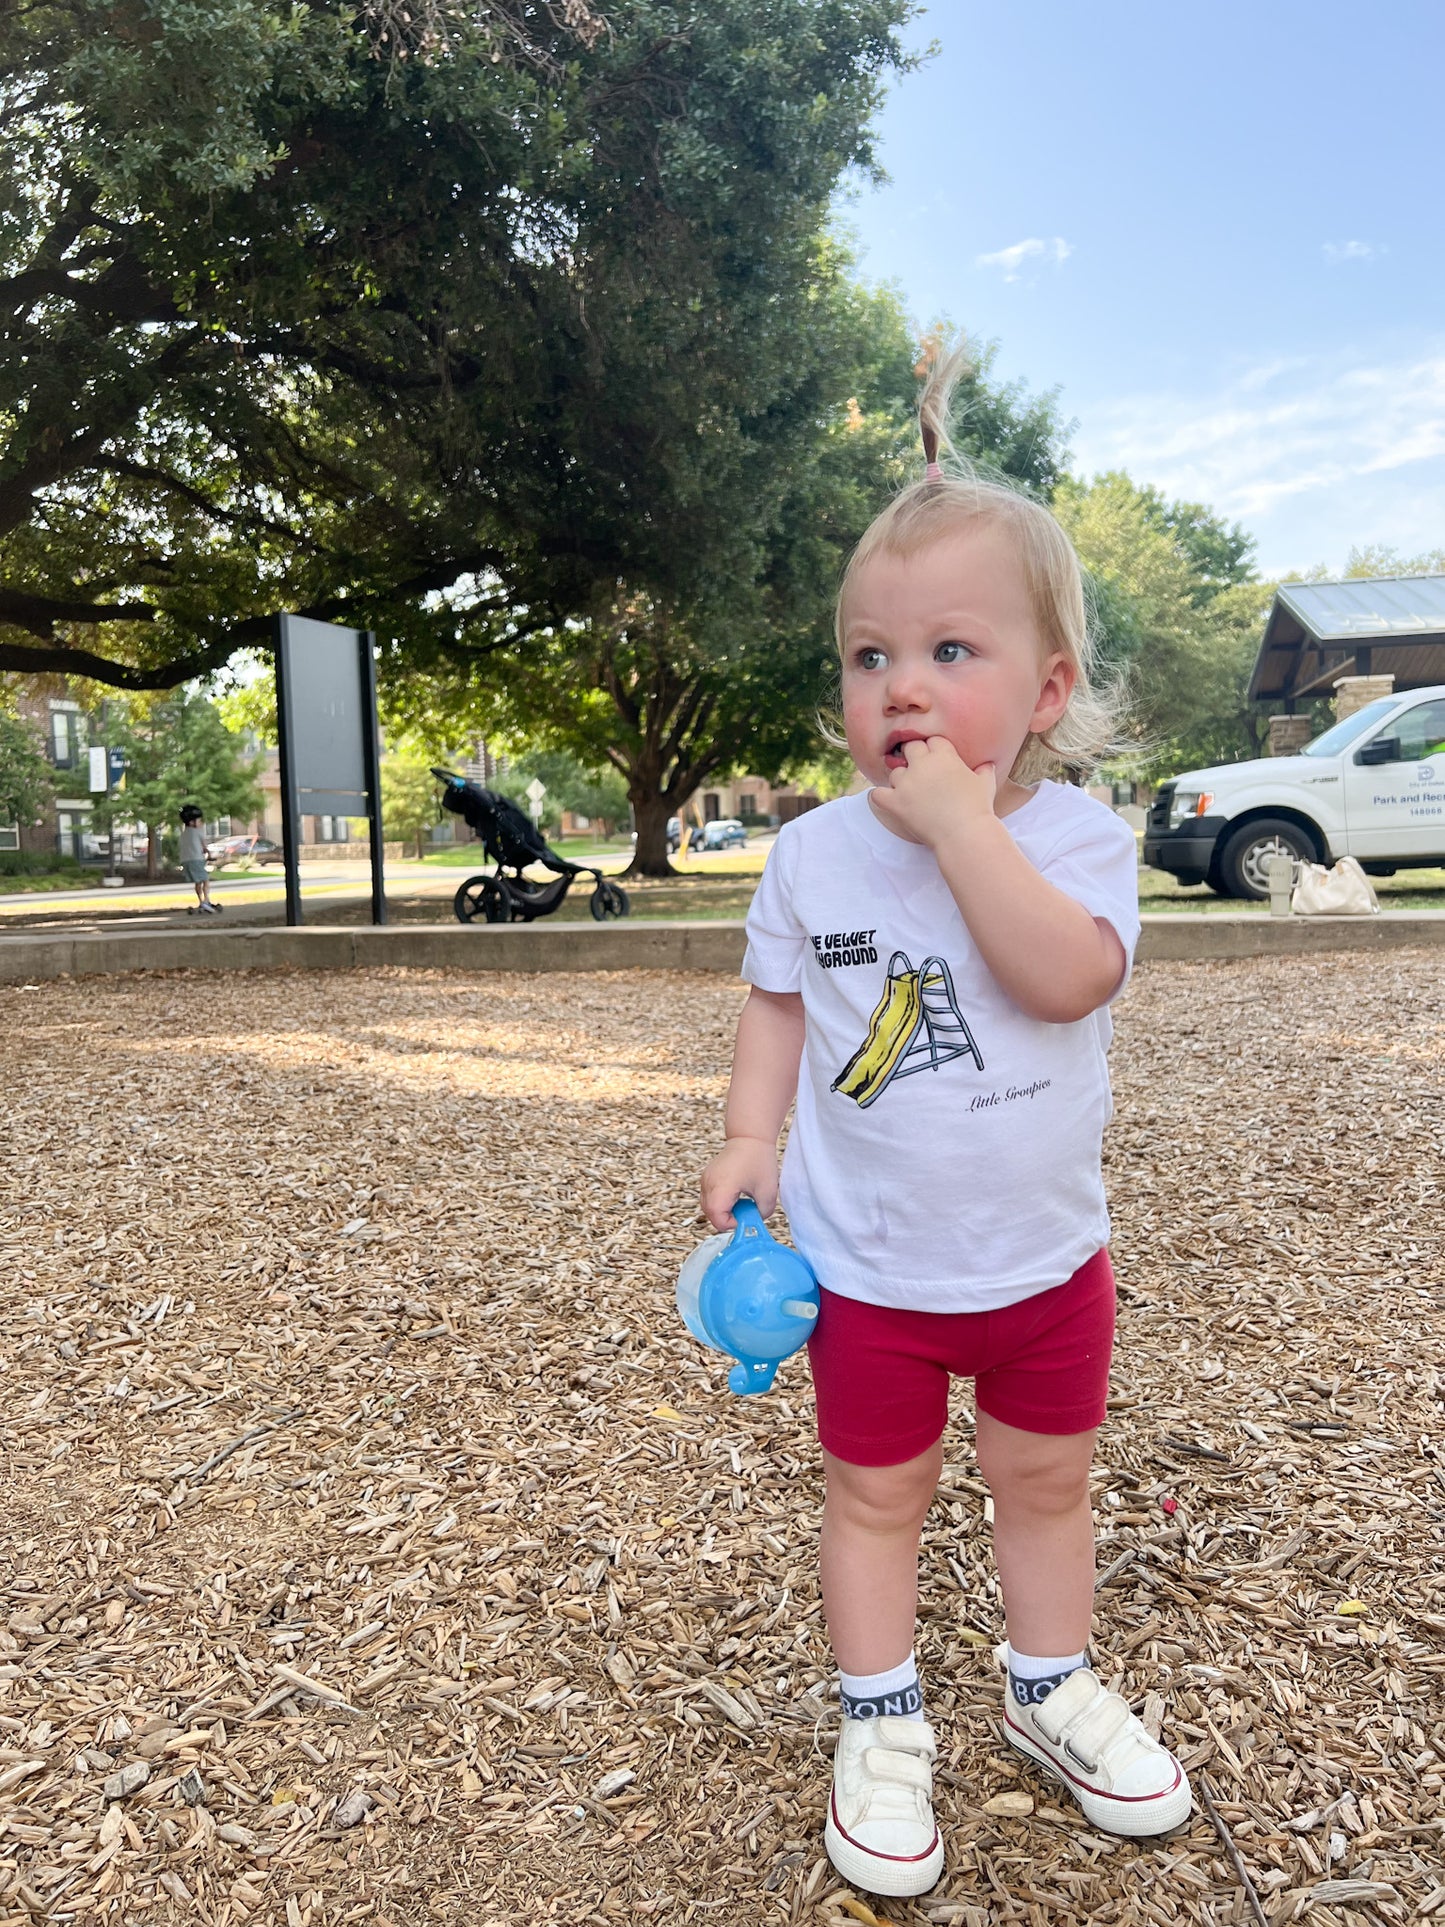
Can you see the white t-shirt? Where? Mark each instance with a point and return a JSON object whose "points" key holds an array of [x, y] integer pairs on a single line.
{"points": [[945, 1151]]}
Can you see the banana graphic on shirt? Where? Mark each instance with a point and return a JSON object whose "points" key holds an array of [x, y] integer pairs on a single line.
{"points": [[912, 1001], [891, 1029]]}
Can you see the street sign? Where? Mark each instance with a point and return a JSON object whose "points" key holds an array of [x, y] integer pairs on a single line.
{"points": [[119, 764], [535, 792]]}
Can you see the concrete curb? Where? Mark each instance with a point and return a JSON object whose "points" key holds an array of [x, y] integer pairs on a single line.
{"points": [[637, 944], [1196, 936]]}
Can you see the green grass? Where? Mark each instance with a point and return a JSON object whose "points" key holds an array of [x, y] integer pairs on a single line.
{"points": [[577, 849], [1406, 890], [721, 885], [51, 880]]}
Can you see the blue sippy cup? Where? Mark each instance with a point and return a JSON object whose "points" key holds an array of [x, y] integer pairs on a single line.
{"points": [[743, 1293]]}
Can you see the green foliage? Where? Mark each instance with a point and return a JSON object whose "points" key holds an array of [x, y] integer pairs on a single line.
{"points": [[828, 774], [599, 794], [1377, 560], [247, 702], [1001, 426], [26, 784], [1220, 555], [1177, 616], [40, 863], [179, 752], [418, 318], [410, 794], [726, 670]]}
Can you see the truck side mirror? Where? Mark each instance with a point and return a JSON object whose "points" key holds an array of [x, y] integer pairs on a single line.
{"points": [[1384, 749]]}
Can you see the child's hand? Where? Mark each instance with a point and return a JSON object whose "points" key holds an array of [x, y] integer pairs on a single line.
{"points": [[935, 792], [744, 1166]]}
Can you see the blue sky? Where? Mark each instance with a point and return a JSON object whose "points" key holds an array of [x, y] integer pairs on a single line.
{"points": [[1216, 229]]}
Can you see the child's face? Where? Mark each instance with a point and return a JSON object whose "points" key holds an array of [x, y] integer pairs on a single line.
{"points": [[944, 643]]}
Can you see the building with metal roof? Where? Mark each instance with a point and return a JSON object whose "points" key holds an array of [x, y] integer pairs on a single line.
{"points": [[1368, 626]]}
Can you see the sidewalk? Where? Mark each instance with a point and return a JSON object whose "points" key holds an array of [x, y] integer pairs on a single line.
{"points": [[256, 897], [259, 898]]}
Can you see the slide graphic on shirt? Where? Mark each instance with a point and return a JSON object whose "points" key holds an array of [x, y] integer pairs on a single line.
{"points": [[916, 1026]]}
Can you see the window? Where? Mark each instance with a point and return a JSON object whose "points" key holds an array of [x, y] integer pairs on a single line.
{"points": [[73, 834], [1340, 735], [748, 807], [69, 738], [9, 836], [332, 829], [1422, 731]]}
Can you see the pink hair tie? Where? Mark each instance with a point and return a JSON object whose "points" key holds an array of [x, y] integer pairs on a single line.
{"points": [[933, 473]]}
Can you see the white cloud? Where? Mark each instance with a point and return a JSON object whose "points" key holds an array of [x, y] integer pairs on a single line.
{"points": [[1352, 250], [1313, 454], [1012, 260]]}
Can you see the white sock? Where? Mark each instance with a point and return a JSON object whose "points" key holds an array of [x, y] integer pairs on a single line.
{"points": [[897, 1693], [1031, 1679]]}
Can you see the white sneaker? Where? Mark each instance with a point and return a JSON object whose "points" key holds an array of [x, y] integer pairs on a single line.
{"points": [[1125, 1782], [880, 1833]]}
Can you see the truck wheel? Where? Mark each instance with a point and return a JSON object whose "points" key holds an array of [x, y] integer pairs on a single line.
{"points": [[1244, 861]]}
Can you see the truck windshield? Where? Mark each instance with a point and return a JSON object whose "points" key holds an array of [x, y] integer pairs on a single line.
{"points": [[1351, 729]]}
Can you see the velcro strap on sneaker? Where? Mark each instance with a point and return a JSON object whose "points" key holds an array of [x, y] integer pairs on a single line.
{"points": [[1078, 1695], [907, 1736], [1103, 1722], [899, 1769]]}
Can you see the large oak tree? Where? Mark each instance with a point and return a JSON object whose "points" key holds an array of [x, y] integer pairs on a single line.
{"points": [[441, 320]]}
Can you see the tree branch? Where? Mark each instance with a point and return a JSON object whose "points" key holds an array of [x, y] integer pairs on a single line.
{"points": [[56, 457], [685, 717], [622, 698], [119, 675], [161, 478], [39, 614]]}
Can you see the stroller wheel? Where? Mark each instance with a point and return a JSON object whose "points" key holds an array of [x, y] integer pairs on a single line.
{"points": [[483, 897], [609, 900]]}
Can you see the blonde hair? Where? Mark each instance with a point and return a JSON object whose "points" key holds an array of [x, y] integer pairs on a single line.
{"points": [[966, 496]]}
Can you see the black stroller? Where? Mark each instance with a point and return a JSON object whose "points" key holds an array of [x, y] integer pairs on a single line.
{"points": [[512, 842]]}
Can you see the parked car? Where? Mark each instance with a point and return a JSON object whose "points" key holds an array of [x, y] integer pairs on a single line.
{"points": [[1371, 787], [244, 849], [725, 833], [674, 835]]}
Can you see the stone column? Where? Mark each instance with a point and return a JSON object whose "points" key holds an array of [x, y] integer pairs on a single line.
{"points": [[1353, 692], [1288, 734]]}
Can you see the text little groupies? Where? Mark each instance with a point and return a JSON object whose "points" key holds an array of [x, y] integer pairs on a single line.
{"points": [[837, 947]]}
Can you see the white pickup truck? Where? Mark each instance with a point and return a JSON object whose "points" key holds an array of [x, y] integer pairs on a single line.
{"points": [[1372, 787]]}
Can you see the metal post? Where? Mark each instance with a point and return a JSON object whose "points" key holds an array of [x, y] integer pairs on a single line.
{"points": [[371, 753], [290, 795]]}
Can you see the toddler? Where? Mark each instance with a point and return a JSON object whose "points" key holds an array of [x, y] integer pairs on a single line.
{"points": [[931, 962]]}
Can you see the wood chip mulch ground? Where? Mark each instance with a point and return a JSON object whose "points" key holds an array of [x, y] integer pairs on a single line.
{"points": [[378, 1548]]}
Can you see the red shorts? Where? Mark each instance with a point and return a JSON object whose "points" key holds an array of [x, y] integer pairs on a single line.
{"points": [[881, 1375]]}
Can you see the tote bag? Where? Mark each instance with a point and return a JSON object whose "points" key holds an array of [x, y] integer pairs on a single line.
{"points": [[1344, 891]]}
